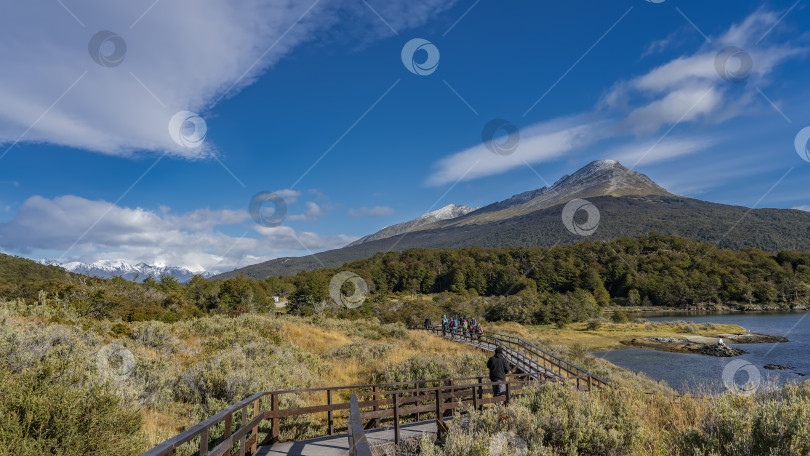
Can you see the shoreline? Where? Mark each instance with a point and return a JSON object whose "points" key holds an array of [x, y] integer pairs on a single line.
{"points": [[700, 345], [708, 309]]}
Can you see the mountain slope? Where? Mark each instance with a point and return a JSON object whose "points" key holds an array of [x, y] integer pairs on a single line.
{"points": [[630, 204], [446, 213], [599, 178]]}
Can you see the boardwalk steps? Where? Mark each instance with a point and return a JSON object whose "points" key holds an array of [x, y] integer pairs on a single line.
{"points": [[370, 406]]}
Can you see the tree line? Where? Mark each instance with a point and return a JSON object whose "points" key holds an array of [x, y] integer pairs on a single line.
{"points": [[528, 285]]}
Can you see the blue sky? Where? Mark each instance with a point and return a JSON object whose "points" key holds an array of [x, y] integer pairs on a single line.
{"points": [[89, 169]]}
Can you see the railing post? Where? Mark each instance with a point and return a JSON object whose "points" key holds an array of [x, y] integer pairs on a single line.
{"points": [[228, 425], [474, 399], [243, 440], [481, 390], [275, 421], [590, 383], [417, 394], [508, 392], [255, 428], [396, 418], [374, 389], [439, 412], [329, 414], [204, 442]]}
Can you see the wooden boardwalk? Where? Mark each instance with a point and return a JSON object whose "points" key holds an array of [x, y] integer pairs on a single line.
{"points": [[371, 404], [339, 444]]}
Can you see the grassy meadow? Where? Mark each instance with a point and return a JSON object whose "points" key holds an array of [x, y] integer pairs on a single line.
{"points": [[75, 383]]}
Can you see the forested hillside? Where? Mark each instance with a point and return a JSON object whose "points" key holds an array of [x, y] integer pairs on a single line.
{"points": [[570, 282], [528, 285], [724, 226]]}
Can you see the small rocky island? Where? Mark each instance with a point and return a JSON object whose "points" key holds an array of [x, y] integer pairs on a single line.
{"points": [[702, 345]]}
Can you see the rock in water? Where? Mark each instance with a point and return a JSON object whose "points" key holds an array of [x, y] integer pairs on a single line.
{"points": [[722, 351]]}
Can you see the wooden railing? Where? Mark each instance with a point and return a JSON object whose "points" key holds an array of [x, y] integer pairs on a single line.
{"points": [[395, 400], [519, 351]]}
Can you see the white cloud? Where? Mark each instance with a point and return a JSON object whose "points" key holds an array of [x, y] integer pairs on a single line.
{"points": [[805, 208], [651, 152], [685, 90], [539, 143], [180, 55], [284, 237], [289, 196], [376, 211], [88, 230], [312, 213]]}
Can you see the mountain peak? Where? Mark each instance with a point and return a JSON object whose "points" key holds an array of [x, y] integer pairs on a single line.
{"points": [[598, 178]]}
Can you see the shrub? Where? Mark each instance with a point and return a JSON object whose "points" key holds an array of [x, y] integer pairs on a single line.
{"points": [[39, 415], [620, 316]]}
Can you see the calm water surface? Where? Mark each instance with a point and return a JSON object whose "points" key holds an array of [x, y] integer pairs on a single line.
{"points": [[687, 371]]}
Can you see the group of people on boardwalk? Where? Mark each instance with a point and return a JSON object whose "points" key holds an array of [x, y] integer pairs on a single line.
{"points": [[466, 327]]}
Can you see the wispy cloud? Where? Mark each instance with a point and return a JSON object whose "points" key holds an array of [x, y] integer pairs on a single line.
{"points": [[686, 90], [650, 152], [180, 55]]}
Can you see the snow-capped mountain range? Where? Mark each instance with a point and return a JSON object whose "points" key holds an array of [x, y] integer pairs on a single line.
{"points": [[139, 272]]}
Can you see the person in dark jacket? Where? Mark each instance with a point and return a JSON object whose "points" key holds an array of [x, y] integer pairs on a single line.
{"points": [[498, 367], [427, 323]]}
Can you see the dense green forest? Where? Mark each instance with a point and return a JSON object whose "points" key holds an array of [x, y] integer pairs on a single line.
{"points": [[528, 285]]}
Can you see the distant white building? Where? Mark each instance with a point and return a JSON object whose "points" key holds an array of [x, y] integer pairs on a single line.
{"points": [[275, 298]]}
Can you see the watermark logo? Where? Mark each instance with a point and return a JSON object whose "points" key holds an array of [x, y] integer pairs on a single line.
{"points": [[188, 129], [581, 228], [507, 444], [261, 216], [731, 372], [503, 145], [409, 56], [357, 297], [656, 1], [115, 362], [107, 48], [733, 64], [802, 144]]}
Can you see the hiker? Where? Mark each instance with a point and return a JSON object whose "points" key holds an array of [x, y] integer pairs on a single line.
{"points": [[498, 367], [444, 324], [464, 327], [427, 323], [479, 330]]}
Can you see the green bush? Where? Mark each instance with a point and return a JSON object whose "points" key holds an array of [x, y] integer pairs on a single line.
{"points": [[41, 415]]}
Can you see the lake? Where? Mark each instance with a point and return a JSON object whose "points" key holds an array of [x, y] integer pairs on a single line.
{"points": [[685, 372]]}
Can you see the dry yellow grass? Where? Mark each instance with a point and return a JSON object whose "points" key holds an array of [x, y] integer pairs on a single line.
{"points": [[312, 338]]}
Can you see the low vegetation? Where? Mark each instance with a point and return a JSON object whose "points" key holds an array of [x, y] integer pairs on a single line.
{"points": [[556, 420], [68, 385]]}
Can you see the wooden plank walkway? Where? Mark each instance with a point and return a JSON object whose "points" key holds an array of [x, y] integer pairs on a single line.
{"points": [[339, 444], [524, 364]]}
